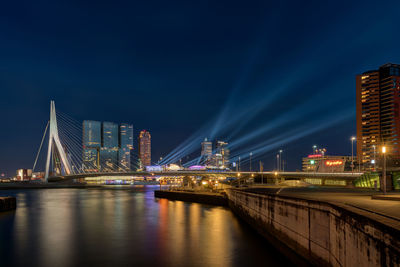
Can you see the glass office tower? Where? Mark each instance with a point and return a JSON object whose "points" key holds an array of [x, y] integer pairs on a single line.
{"points": [[107, 146], [126, 146], [110, 147], [91, 145]]}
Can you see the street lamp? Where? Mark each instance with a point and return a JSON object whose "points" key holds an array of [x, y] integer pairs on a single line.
{"points": [[314, 149], [251, 154], [384, 170], [352, 161], [277, 161], [374, 156], [280, 159], [239, 163]]}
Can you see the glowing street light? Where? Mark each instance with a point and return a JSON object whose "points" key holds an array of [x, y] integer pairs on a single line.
{"points": [[374, 160], [280, 160], [251, 154], [277, 161], [384, 169], [352, 160]]}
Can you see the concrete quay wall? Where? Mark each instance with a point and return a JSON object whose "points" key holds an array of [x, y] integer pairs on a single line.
{"points": [[321, 233], [8, 203]]}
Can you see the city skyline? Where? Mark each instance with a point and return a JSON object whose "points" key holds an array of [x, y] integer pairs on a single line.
{"points": [[199, 133], [241, 86]]}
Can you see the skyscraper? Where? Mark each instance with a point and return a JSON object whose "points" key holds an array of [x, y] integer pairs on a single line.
{"points": [[126, 145], [110, 147], [222, 154], [106, 146], [378, 112], [91, 145], [145, 148], [206, 151]]}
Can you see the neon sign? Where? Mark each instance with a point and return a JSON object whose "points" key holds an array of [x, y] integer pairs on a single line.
{"points": [[314, 156], [333, 162]]}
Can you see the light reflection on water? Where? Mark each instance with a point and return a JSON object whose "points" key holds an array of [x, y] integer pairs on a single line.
{"points": [[111, 227]]}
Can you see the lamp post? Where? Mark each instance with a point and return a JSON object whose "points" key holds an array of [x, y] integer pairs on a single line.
{"points": [[384, 170], [352, 160], [314, 149], [251, 154], [280, 159], [239, 163], [374, 156], [277, 161]]}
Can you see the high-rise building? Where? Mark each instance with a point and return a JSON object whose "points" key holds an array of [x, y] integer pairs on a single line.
{"points": [[145, 148], [222, 154], [378, 113], [106, 146], [206, 151], [126, 145], [110, 146], [91, 145]]}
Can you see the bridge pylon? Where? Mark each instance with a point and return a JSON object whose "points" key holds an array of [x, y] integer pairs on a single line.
{"points": [[55, 151]]}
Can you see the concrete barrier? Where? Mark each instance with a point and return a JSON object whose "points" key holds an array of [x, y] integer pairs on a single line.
{"points": [[321, 233], [8, 203]]}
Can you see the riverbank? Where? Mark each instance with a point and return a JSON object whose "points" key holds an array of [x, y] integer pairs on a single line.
{"points": [[197, 197], [8, 203]]}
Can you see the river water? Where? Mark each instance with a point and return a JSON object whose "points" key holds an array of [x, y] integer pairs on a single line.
{"points": [[125, 226]]}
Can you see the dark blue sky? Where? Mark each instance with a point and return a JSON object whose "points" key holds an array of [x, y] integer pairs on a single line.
{"points": [[282, 70]]}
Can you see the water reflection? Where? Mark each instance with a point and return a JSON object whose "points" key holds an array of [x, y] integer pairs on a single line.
{"points": [[113, 227]]}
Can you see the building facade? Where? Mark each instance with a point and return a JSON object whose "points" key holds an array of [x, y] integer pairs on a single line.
{"points": [[326, 164], [378, 113], [222, 154], [126, 145], [110, 147], [206, 151], [23, 175], [106, 146], [145, 148], [91, 140]]}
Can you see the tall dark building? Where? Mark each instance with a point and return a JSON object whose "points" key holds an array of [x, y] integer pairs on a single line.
{"points": [[222, 154], [91, 145], [378, 113], [206, 151], [110, 147], [145, 148], [126, 145], [106, 146]]}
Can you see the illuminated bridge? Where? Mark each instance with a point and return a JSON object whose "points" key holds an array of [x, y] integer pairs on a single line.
{"points": [[64, 162], [331, 179]]}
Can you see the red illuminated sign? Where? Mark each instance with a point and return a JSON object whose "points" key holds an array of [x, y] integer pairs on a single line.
{"points": [[333, 162], [314, 156]]}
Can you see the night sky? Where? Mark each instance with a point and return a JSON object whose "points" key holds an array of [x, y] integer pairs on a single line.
{"points": [[260, 75]]}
